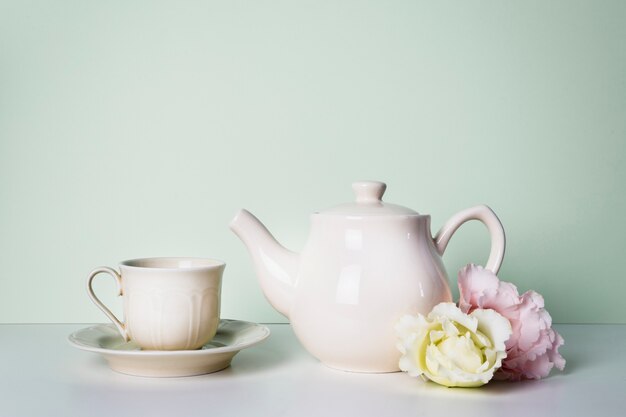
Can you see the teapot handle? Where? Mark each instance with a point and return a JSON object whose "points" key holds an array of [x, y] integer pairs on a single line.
{"points": [[489, 218]]}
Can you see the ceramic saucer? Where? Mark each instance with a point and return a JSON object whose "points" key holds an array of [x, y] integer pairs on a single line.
{"points": [[127, 358]]}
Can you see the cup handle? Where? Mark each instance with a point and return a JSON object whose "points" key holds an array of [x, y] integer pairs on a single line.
{"points": [[118, 279], [489, 218]]}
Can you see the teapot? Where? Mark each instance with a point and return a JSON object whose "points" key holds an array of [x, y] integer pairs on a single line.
{"points": [[364, 265]]}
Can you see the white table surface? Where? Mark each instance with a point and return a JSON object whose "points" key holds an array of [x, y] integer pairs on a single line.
{"points": [[42, 375]]}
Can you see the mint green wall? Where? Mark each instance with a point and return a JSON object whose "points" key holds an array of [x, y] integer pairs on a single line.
{"points": [[132, 129]]}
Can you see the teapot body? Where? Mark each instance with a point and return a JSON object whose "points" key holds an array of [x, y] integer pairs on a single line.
{"points": [[357, 276]]}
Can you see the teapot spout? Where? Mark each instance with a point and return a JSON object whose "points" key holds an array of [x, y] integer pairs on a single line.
{"points": [[275, 266]]}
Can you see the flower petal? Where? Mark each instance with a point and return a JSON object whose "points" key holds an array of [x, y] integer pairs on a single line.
{"points": [[451, 312], [494, 326]]}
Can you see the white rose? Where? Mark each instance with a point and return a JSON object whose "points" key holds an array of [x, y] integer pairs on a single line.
{"points": [[452, 348]]}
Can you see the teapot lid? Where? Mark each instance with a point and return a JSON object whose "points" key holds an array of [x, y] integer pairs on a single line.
{"points": [[369, 202]]}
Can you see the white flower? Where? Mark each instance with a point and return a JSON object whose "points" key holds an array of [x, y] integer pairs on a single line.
{"points": [[452, 348]]}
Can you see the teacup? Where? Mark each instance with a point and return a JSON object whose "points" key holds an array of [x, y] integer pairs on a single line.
{"points": [[169, 303]]}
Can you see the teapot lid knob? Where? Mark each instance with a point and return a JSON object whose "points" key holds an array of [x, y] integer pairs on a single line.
{"points": [[369, 191]]}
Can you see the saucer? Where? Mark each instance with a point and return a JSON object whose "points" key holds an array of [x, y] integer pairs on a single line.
{"points": [[127, 358]]}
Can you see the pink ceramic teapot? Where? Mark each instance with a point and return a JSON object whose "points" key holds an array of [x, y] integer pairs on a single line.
{"points": [[364, 265]]}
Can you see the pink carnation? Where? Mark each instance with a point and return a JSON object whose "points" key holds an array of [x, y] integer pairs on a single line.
{"points": [[533, 348]]}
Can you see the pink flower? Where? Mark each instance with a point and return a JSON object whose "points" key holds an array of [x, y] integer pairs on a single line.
{"points": [[533, 348]]}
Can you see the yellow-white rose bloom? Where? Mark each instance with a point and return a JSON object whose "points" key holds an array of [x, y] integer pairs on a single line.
{"points": [[452, 348]]}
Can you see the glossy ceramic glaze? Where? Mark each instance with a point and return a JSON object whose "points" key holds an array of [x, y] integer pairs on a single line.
{"points": [[169, 303], [126, 357], [364, 265]]}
